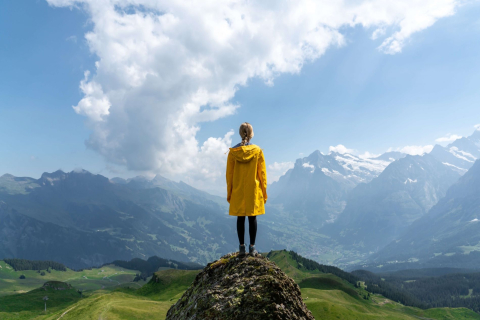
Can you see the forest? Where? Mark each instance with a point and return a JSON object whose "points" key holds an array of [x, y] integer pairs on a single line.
{"points": [[311, 265], [448, 290], [22, 264]]}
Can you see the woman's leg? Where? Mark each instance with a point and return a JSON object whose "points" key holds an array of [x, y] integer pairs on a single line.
{"points": [[241, 229], [252, 227]]}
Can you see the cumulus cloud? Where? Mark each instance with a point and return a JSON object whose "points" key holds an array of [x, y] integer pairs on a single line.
{"points": [[310, 166], [278, 169], [368, 155], [164, 67], [448, 138], [414, 150], [341, 149]]}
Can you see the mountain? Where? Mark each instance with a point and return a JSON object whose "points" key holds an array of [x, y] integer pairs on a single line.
{"points": [[460, 154], [315, 189], [379, 211], [179, 188], [82, 219], [448, 236]]}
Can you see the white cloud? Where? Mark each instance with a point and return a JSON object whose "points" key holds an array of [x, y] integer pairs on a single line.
{"points": [[341, 149], [95, 103], [378, 33], [278, 169], [448, 138], [368, 155], [310, 166], [428, 13], [72, 38], [164, 67], [477, 127], [415, 150]]}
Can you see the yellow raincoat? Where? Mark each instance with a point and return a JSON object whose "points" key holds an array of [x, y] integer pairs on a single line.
{"points": [[246, 181]]}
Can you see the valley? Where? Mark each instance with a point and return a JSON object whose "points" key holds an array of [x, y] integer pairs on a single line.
{"points": [[327, 295]]}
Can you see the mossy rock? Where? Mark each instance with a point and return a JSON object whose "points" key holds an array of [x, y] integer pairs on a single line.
{"points": [[246, 288]]}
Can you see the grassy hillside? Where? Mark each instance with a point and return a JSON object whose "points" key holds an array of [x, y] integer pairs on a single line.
{"points": [[106, 277], [31, 304], [328, 297], [168, 285]]}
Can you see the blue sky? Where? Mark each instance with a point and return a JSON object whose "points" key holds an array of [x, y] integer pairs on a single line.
{"points": [[354, 94]]}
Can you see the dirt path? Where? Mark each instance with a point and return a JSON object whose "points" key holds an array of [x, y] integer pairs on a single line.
{"points": [[66, 312]]}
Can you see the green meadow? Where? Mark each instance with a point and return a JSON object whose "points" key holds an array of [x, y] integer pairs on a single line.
{"points": [[326, 295], [106, 277]]}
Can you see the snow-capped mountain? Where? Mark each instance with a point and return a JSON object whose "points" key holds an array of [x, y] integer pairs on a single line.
{"points": [[317, 186], [460, 154], [358, 169], [448, 235], [379, 211]]}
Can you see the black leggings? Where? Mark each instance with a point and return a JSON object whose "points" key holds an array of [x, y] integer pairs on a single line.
{"points": [[252, 227]]}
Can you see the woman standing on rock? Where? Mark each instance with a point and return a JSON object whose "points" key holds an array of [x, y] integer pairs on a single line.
{"points": [[246, 185]]}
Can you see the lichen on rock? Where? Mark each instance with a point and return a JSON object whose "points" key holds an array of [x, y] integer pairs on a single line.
{"points": [[247, 288]]}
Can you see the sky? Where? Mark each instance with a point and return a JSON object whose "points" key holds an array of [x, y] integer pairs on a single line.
{"points": [[129, 87]]}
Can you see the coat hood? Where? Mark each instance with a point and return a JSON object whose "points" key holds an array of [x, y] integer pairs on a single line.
{"points": [[245, 153]]}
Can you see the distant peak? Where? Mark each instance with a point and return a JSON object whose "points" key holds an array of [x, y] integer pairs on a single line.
{"points": [[160, 178], [54, 174], [80, 171], [139, 178], [475, 135], [316, 154]]}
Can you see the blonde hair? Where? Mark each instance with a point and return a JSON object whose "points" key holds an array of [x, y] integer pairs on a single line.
{"points": [[246, 132]]}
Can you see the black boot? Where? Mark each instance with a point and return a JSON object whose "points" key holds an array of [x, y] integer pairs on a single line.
{"points": [[242, 251], [252, 251]]}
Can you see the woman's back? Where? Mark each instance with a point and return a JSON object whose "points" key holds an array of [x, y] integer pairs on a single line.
{"points": [[246, 181], [246, 186]]}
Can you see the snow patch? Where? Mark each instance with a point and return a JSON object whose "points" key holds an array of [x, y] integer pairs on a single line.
{"points": [[353, 163], [474, 220], [410, 181], [451, 165], [331, 173], [461, 154]]}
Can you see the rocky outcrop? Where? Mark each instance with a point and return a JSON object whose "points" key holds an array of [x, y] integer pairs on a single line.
{"points": [[56, 285], [244, 288]]}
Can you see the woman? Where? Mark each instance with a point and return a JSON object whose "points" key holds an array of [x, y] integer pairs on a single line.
{"points": [[246, 185]]}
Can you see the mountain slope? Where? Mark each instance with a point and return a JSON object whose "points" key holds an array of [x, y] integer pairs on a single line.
{"points": [[315, 190], [448, 235], [379, 211], [82, 219], [460, 154]]}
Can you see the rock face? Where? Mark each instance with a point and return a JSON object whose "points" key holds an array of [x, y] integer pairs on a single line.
{"points": [[56, 285], [244, 288]]}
